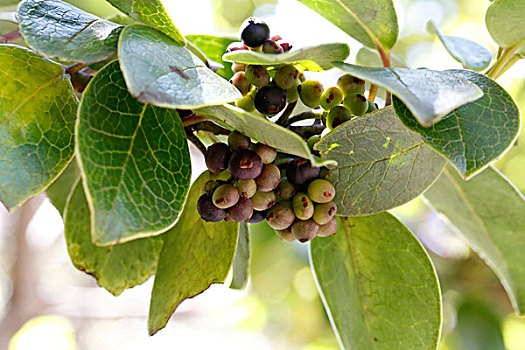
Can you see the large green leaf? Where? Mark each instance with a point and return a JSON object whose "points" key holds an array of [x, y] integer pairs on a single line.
{"points": [[489, 212], [116, 267], [380, 163], [37, 117], [378, 285], [58, 29], [262, 130], [134, 159], [429, 95], [474, 134], [504, 21], [195, 255], [214, 47], [152, 13], [59, 190], [372, 22], [241, 262], [314, 58], [470, 54], [160, 72]]}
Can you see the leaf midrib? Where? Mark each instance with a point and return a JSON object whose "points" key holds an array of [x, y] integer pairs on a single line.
{"points": [[358, 20]]}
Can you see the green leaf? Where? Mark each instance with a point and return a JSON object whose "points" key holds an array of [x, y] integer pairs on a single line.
{"points": [[262, 130], [314, 58], [37, 117], [381, 164], [116, 267], [378, 285], [373, 22], [457, 136], [60, 189], [214, 47], [470, 54], [195, 255], [58, 29], [430, 95], [489, 213], [134, 159], [160, 72], [504, 21], [241, 262], [7, 2], [371, 58], [152, 13]]}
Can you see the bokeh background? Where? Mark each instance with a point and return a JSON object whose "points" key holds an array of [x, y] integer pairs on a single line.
{"points": [[46, 304]]}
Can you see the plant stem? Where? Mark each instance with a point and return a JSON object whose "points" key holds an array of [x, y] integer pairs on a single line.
{"points": [[287, 112], [195, 140], [303, 116], [6, 38], [385, 58], [372, 92], [501, 64], [211, 127], [306, 131], [192, 119]]}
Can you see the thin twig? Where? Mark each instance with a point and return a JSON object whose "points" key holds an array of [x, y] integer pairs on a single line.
{"points": [[385, 58], [307, 131], [372, 92], [303, 116], [211, 127], [193, 119], [195, 140], [287, 112]]}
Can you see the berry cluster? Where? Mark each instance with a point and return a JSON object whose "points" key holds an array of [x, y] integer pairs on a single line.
{"points": [[298, 206]]}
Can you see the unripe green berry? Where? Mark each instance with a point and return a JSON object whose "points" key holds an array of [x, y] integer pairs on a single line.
{"points": [[325, 212], [266, 152], [286, 77], [246, 103], [302, 206], [305, 231], [269, 178], [257, 75], [337, 116], [292, 94], [328, 229], [321, 191], [312, 141], [331, 97], [238, 141], [247, 188], [286, 190], [241, 83], [310, 92], [351, 85], [285, 235], [225, 196], [263, 200], [372, 106], [356, 103]]}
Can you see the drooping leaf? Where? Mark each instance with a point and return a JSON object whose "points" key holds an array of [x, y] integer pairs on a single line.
{"points": [[134, 159], [37, 117], [116, 267], [470, 54], [152, 13], [214, 48], [504, 21], [242, 260], [489, 212], [372, 22], [475, 134], [58, 29], [371, 58], [314, 58], [262, 130], [378, 285], [59, 190], [380, 163], [195, 255], [429, 95], [160, 72]]}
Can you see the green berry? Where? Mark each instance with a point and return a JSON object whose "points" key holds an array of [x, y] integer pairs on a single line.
{"points": [[269, 178], [238, 141], [351, 85], [328, 229], [305, 231], [312, 141], [372, 106], [241, 83], [321, 191], [263, 200], [257, 75], [286, 190], [225, 196], [281, 216], [286, 77], [247, 188], [356, 103], [302, 206], [266, 152], [292, 94], [331, 97], [337, 116], [246, 103], [285, 235], [325, 212], [310, 92]]}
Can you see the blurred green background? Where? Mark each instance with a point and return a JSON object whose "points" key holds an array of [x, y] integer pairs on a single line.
{"points": [[281, 308]]}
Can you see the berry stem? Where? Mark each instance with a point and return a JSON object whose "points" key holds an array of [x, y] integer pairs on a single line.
{"points": [[286, 114], [193, 119], [6, 38], [372, 92], [195, 140], [303, 116], [211, 127]]}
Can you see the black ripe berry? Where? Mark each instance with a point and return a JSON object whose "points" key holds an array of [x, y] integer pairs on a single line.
{"points": [[217, 157], [254, 32], [257, 217], [242, 211], [245, 165], [208, 211], [301, 171], [270, 100]]}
